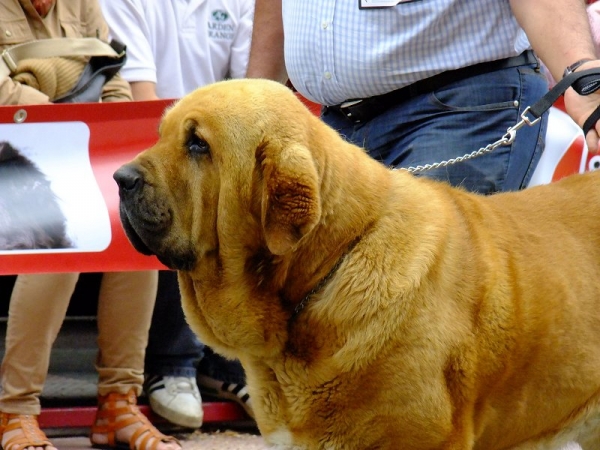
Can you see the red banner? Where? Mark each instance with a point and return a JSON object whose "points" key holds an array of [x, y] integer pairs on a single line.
{"points": [[76, 148], [61, 158]]}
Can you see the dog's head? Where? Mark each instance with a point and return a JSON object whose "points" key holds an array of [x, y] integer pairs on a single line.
{"points": [[235, 164]]}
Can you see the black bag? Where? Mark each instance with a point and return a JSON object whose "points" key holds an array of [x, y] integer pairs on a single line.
{"points": [[96, 73]]}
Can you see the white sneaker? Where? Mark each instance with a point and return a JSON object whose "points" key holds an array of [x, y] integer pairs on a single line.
{"points": [[177, 399]]}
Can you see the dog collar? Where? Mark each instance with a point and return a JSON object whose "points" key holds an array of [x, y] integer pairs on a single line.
{"points": [[321, 284]]}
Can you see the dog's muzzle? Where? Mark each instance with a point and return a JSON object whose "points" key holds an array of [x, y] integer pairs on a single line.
{"points": [[129, 179], [147, 219], [137, 222]]}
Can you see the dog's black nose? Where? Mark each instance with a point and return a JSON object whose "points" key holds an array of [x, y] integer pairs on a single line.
{"points": [[128, 177]]}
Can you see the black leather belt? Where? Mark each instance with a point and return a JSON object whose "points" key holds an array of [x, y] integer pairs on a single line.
{"points": [[363, 110]]}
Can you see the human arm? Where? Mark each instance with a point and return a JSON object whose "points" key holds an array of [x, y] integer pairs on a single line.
{"points": [[266, 50], [116, 89], [240, 47], [143, 90], [127, 23], [13, 93], [560, 34], [593, 11]]}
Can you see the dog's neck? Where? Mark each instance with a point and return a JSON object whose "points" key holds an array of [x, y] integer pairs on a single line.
{"points": [[322, 282], [346, 219]]}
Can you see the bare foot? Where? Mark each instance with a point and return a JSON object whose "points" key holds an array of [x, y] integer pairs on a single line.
{"points": [[137, 420], [29, 431]]}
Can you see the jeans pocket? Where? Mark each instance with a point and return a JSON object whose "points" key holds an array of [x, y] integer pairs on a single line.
{"points": [[488, 92]]}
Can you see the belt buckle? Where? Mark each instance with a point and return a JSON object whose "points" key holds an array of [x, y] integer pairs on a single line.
{"points": [[346, 108]]}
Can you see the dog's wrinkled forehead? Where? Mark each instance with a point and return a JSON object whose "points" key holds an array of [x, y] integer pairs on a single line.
{"points": [[231, 105]]}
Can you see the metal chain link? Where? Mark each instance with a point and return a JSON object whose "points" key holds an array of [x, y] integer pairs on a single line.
{"points": [[507, 139]]}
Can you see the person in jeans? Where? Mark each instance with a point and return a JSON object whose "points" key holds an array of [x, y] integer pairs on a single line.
{"points": [[426, 82], [39, 302], [419, 83], [173, 48]]}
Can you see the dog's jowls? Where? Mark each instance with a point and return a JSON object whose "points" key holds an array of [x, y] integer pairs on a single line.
{"points": [[372, 309]]}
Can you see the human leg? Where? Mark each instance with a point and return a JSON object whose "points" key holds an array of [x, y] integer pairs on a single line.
{"points": [[173, 348], [172, 355], [37, 309], [221, 378], [172, 358], [125, 305], [120, 424], [456, 120]]}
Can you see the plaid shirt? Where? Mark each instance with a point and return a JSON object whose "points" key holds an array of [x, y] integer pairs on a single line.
{"points": [[335, 51]]}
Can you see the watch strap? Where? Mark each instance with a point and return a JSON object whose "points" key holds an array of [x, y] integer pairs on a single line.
{"points": [[573, 67]]}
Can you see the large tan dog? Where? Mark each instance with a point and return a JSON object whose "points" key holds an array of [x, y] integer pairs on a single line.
{"points": [[372, 309]]}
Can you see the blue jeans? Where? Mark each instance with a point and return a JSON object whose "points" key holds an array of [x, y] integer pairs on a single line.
{"points": [[455, 120], [173, 348]]}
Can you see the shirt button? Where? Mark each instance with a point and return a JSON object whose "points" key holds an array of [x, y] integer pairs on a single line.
{"points": [[327, 75], [8, 33], [324, 25]]}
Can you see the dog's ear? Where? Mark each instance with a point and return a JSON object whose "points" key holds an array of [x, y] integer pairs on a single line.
{"points": [[290, 202]]}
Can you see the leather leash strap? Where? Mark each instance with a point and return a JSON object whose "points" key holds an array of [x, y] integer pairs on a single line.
{"points": [[585, 83]]}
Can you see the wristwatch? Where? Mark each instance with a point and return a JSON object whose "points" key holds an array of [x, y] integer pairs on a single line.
{"points": [[573, 67]]}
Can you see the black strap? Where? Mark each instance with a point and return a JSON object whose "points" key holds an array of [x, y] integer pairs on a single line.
{"points": [[95, 74], [584, 82], [591, 121]]}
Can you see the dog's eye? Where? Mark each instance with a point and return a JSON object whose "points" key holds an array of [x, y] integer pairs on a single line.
{"points": [[197, 146]]}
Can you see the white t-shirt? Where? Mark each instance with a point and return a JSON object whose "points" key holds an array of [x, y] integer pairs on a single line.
{"points": [[181, 44]]}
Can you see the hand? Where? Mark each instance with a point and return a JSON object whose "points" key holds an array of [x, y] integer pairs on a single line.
{"points": [[580, 107], [43, 6]]}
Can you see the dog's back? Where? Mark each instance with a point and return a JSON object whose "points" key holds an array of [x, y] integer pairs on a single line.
{"points": [[526, 274]]}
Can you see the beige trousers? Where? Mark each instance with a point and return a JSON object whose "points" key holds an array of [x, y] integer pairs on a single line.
{"points": [[36, 312]]}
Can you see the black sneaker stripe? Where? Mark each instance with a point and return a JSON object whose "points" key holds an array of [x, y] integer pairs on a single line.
{"points": [[237, 388], [155, 387], [150, 380]]}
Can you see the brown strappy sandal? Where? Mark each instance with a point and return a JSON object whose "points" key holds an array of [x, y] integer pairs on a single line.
{"points": [[32, 435], [109, 411]]}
